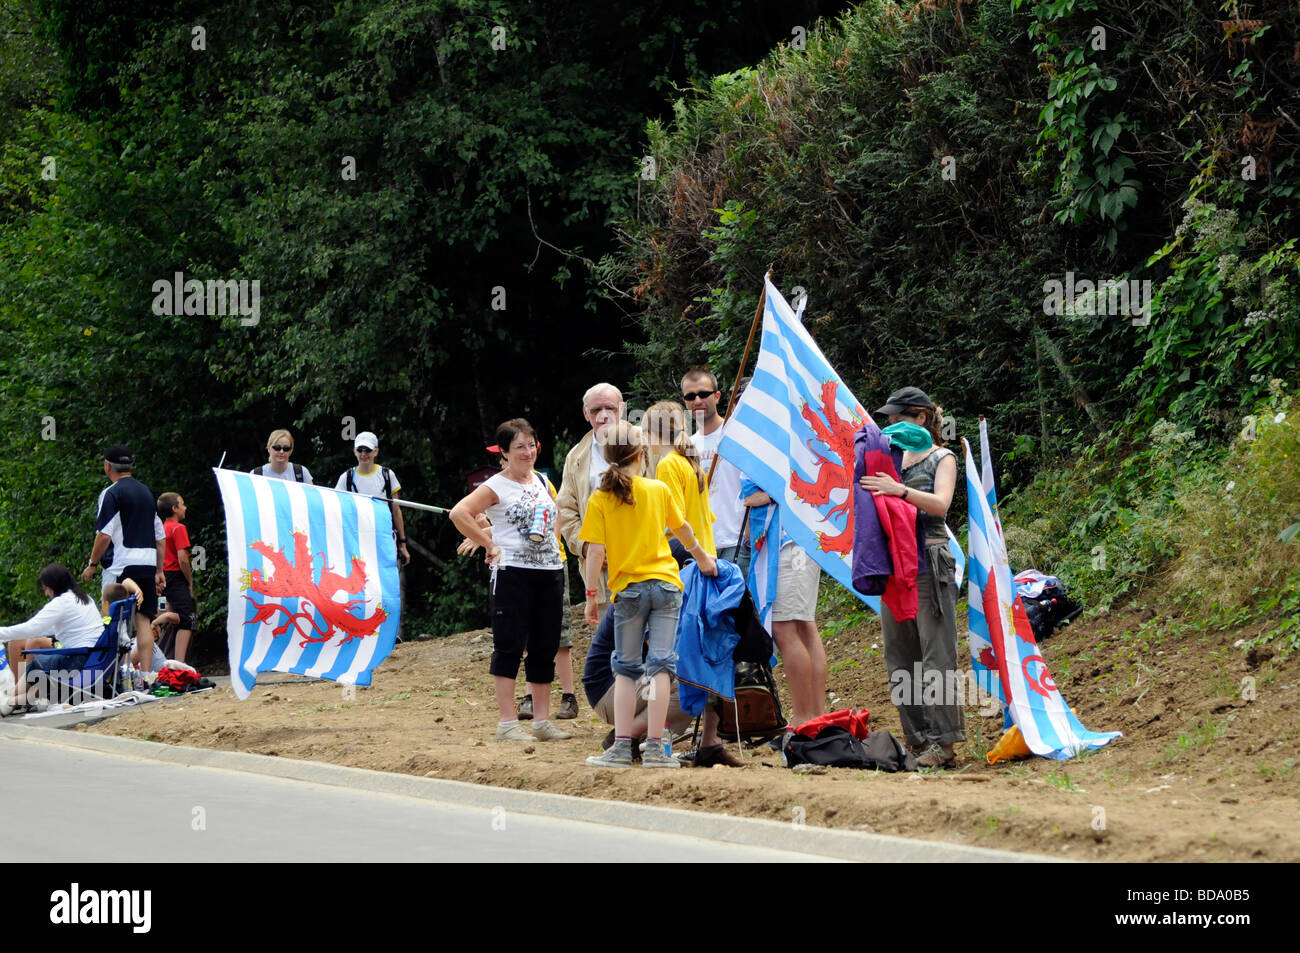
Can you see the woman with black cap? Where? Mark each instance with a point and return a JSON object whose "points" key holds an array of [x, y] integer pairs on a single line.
{"points": [[928, 642]]}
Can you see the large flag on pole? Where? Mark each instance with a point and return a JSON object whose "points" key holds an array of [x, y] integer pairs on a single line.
{"points": [[1049, 727], [792, 434], [314, 588]]}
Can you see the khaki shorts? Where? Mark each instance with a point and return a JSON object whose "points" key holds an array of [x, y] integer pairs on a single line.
{"points": [[678, 719], [797, 582]]}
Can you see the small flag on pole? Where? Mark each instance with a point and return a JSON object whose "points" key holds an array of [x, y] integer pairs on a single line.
{"points": [[313, 586], [983, 662], [1049, 727]]}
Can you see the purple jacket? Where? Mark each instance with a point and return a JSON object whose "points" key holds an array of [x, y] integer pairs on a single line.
{"points": [[872, 566]]}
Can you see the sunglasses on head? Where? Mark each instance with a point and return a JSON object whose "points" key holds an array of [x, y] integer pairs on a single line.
{"points": [[281, 449], [698, 395]]}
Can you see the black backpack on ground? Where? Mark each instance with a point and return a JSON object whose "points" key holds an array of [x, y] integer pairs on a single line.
{"points": [[1049, 610], [836, 748]]}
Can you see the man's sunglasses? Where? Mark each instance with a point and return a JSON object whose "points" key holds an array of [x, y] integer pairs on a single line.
{"points": [[281, 449], [365, 450], [698, 395]]}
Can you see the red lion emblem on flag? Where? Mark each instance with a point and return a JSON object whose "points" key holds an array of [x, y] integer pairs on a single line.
{"points": [[293, 580], [834, 471]]}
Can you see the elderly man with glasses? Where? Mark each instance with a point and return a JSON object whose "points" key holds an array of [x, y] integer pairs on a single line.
{"points": [[602, 405]]}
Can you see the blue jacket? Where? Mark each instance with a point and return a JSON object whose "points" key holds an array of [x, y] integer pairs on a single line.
{"points": [[872, 566], [706, 634]]}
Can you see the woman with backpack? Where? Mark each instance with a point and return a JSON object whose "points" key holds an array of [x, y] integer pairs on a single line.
{"points": [[279, 447], [378, 482], [929, 641], [624, 528]]}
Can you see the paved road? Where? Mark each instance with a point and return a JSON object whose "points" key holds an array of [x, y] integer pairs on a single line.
{"points": [[252, 818]]}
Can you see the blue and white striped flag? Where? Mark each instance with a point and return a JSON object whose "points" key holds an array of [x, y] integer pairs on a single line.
{"points": [[314, 588], [1049, 727], [792, 434], [983, 662]]}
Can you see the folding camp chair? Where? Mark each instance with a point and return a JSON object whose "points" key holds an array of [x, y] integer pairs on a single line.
{"points": [[99, 666], [754, 714]]}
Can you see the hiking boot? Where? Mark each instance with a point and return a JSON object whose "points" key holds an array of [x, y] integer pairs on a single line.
{"points": [[515, 732], [716, 754], [652, 755], [619, 755], [524, 708], [568, 706], [545, 731], [936, 756]]}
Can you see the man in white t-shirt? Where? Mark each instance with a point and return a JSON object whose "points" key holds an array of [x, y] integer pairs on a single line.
{"points": [[373, 480], [700, 393]]}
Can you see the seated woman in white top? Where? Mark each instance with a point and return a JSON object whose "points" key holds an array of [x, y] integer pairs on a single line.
{"points": [[70, 617]]}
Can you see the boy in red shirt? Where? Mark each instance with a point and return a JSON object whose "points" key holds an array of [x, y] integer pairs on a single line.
{"points": [[181, 608]]}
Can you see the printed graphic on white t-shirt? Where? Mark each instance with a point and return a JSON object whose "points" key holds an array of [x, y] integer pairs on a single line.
{"points": [[515, 514]]}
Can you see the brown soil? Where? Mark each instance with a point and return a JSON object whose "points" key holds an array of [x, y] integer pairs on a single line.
{"points": [[1201, 774]]}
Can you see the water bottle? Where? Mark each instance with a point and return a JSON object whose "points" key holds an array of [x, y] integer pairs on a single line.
{"points": [[541, 520], [668, 740]]}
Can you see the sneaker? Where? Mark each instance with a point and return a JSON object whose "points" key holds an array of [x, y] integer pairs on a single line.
{"points": [[545, 731], [936, 756], [716, 754], [524, 708], [652, 756], [568, 706], [618, 756], [515, 732], [780, 740]]}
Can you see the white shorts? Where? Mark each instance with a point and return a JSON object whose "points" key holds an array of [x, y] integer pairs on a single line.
{"points": [[798, 579]]}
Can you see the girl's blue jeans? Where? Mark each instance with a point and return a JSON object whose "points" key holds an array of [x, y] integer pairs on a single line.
{"points": [[654, 602]]}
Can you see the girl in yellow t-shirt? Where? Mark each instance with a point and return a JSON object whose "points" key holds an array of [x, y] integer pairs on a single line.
{"points": [[625, 523], [679, 468]]}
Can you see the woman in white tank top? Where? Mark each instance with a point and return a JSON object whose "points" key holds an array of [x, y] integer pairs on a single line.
{"points": [[527, 589]]}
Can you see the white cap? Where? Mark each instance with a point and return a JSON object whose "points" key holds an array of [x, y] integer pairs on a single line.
{"points": [[366, 439]]}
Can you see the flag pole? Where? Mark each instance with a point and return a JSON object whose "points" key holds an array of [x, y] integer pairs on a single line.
{"points": [[414, 506], [740, 372]]}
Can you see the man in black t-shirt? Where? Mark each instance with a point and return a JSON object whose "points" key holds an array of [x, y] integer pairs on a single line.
{"points": [[127, 529]]}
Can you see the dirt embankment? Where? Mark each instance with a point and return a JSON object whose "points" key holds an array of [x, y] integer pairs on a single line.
{"points": [[1206, 769]]}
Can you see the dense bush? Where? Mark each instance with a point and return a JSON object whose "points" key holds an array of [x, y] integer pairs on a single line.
{"points": [[1112, 154]]}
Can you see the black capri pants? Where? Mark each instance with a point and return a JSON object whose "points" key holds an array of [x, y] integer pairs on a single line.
{"points": [[527, 608]]}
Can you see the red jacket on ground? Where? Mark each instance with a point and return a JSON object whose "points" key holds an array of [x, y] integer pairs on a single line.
{"points": [[854, 722]]}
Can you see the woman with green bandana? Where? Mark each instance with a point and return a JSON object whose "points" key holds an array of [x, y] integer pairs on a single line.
{"points": [[928, 642]]}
